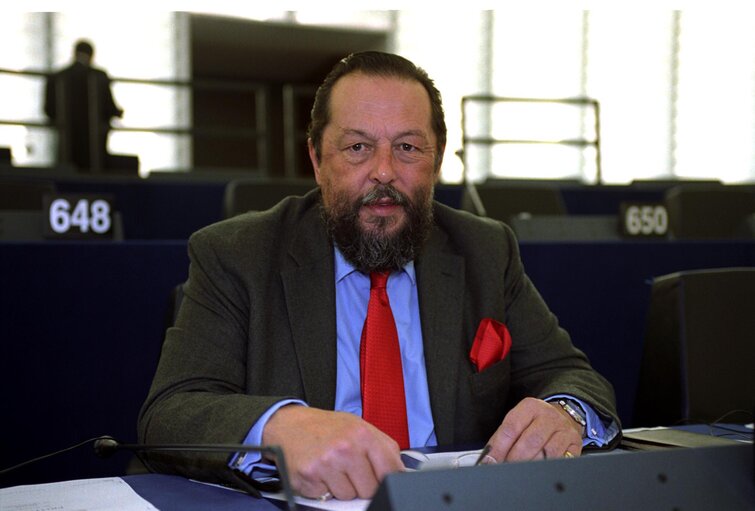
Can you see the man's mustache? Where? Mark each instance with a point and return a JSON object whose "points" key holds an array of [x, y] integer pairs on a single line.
{"points": [[382, 192]]}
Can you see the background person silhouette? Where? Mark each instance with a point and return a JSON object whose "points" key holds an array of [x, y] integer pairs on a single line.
{"points": [[79, 101]]}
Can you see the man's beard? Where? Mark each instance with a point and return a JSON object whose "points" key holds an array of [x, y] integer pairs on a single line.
{"points": [[372, 249]]}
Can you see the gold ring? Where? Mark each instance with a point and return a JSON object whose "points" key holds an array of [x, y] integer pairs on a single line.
{"points": [[568, 454], [325, 496]]}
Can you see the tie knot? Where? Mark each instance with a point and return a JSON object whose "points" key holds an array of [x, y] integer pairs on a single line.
{"points": [[379, 279]]}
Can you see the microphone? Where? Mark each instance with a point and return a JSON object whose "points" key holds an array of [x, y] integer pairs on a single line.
{"points": [[106, 446]]}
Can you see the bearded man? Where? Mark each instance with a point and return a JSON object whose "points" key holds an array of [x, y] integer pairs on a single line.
{"points": [[365, 318]]}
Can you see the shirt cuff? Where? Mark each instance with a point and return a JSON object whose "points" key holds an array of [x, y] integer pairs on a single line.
{"points": [[599, 431], [251, 462]]}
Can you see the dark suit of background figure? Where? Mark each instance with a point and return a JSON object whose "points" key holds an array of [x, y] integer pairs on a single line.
{"points": [[258, 324], [78, 100]]}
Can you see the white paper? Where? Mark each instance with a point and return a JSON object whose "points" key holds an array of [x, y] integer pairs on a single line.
{"points": [[444, 460], [332, 504], [105, 494]]}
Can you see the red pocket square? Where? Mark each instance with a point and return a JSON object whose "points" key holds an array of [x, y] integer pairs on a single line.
{"points": [[491, 344]]}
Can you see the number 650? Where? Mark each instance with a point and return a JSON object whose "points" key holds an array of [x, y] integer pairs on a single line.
{"points": [[646, 220]]}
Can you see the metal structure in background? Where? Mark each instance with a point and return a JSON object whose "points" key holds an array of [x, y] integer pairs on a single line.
{"points": [[259, 134], [490, 140], [294, 133]]}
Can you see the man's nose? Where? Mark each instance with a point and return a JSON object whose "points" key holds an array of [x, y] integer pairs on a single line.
{"points": [[383, 170]]}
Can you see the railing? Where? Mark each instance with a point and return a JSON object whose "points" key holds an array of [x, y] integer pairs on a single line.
{"points": [[574, 142], [259, 134], [294, 134]]}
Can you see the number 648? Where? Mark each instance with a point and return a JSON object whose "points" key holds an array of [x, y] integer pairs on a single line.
{"points": [[84, 216]]}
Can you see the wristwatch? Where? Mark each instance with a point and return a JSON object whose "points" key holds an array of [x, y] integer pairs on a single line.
{"points": [[574, 411]]}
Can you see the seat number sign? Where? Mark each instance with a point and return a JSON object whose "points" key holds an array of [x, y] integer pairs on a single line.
{"points": [[643, 219], [78, 216]]}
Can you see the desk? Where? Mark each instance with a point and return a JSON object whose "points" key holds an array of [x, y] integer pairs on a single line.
{"points": [[691, 479], [169, 493], [173, 205], [151, 209], [81, 325], [720, 473]]}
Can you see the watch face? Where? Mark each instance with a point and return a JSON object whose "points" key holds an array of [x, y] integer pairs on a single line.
{"points": [[573, 413]]}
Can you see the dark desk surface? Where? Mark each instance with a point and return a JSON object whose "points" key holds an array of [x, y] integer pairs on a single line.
{"points": [[175, 493], [690, 479], [168, 493], [173, 205]]}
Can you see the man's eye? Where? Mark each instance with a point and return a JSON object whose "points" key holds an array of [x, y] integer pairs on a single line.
{"points": [[357, 147], [407, 147]]}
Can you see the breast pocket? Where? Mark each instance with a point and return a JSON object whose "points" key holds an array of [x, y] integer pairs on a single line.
{"points": [[490, 391]]}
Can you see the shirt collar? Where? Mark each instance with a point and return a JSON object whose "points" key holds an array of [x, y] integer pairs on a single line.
{"points": [[345, 268]]}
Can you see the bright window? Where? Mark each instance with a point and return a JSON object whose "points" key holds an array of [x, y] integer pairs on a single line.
{"points": [[676, 89]]}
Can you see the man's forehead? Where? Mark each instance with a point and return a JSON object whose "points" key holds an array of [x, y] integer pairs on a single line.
{"points": [[358, 99]]}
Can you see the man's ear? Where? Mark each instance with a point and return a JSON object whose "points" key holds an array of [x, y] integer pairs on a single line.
{"points": [[313, 158]]}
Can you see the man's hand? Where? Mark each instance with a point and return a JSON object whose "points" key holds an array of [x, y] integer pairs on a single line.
{"points": [[534, 429], [332, 452]]}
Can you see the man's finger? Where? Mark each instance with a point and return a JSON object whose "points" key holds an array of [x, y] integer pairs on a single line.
{"points": [[532, 442], [386, 460], [506, 436], [534, 428], [561, 442], [363, 480], [332, 451], [340, 486]]}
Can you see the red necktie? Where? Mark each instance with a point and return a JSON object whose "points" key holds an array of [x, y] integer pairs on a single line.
{"points": [[383, 400]]}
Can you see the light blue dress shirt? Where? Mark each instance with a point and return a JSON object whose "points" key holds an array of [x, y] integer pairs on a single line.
{"points": [[352, 296]]}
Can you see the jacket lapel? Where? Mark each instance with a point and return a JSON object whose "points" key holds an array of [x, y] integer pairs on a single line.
{"points": [[440, 280], [309, 288]]}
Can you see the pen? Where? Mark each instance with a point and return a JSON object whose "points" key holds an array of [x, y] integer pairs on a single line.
{"points": [[483, 453]]}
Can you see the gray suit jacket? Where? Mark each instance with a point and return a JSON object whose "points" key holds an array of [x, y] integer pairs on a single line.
{"points": [[257, 324]]}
